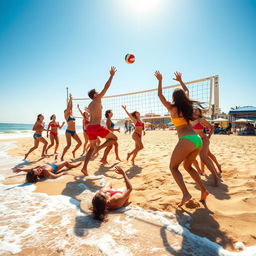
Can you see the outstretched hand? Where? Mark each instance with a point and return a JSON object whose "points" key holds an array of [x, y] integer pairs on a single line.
{"points": [[70, 96], [158, 75], [178, 77], [16, 170], [119, 170], [124, 107], [112, 71]]}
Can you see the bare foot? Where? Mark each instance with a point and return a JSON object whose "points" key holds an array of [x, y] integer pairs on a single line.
{"points": [[26, 155], [204, 194], [185, 198], [43, 156], [103, 161], [118, 159], [220, 168], [73, 153], [128, 156], [62, 159], [84, 172], [133, 161]]}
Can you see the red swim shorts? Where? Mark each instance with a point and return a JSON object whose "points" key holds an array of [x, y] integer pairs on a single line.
{"points": [[93, 131]]}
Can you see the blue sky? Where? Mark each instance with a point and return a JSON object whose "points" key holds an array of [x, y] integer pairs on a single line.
{"points": [[48, 45]]}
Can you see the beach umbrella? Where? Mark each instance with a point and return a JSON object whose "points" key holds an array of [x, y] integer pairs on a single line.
{"points": [[148, 123], [170, 124], [243, 120], [220, 120]]}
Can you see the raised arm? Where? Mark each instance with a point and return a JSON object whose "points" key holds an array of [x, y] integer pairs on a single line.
{"points": [[131, 117], [108, 83], [166, 103], [178, 77], [79, 110], [122, 198], [70, 104]]}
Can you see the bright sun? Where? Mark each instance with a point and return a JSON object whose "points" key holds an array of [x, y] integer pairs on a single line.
{"points": [[142, 7]]}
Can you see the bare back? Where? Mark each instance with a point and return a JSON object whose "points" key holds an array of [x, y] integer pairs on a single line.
{"points": [[95, 108], [184, 129]]}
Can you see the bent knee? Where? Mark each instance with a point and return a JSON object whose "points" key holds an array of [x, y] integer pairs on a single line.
{"points": [[187, 166]]}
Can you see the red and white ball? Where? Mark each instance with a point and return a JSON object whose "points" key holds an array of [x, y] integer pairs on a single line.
{"points": [[129, 58]]}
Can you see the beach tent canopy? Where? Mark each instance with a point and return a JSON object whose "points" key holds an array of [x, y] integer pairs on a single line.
{"points": [[219, 120], [148, 123], [243, 110], [247, 112]]}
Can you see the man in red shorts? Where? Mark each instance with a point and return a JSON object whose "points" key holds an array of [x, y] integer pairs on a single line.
{"points": [[94, 128]]}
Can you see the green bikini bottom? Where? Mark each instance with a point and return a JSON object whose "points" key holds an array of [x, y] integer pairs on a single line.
{"points": [[195, 138]]}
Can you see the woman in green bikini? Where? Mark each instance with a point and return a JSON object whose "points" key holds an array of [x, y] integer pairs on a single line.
{"points": [[189, 143]]}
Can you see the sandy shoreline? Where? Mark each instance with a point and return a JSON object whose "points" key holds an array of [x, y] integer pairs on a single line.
{"points": [[232, 208]]}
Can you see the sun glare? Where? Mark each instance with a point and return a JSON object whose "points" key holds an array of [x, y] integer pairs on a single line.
{"points": [[143, 7]]}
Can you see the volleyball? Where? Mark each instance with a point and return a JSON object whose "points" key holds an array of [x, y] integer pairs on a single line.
{"points": [[129, 58]]}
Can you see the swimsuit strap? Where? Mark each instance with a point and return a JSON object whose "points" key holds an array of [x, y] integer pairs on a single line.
{"points": [[179, 121]]}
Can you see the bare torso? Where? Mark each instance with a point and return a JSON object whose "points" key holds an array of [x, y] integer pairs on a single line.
{"points": [[95, 108], [39, 127]]}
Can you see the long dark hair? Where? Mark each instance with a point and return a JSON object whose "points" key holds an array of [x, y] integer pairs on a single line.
{"points": [[99, 204], [107, 113], [183, 104], [200, 112], [31, 177], [38, 117], [134, 114]]}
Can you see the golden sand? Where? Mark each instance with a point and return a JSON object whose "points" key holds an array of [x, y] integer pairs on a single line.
{"points": [[230, 213]]}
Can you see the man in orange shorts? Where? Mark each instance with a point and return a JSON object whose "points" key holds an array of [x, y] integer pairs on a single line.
{"points": [[94, 128]]}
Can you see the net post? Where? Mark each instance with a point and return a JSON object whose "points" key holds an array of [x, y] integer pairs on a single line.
{"points": [[210, 99], [216, 96]]}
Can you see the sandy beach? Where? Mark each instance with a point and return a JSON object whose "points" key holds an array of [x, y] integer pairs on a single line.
{"points": [[229, 215]]}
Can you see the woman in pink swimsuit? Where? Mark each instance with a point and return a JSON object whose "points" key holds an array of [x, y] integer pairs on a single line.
{"points": [[198, 125], [137, 134], [110, 199]]}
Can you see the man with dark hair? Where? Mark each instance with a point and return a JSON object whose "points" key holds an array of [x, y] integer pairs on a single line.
{"points": [[91, 93], [94, 128]]}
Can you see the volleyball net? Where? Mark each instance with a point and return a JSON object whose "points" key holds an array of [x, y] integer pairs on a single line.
{"points": [[205, 91]]}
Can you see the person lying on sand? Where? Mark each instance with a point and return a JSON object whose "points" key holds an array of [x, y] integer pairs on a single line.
{"points": [[111, 199], [48, 170]]}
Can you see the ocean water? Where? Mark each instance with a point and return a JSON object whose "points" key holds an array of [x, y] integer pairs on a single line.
{"points": [[38, 224], [12, 130]]}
